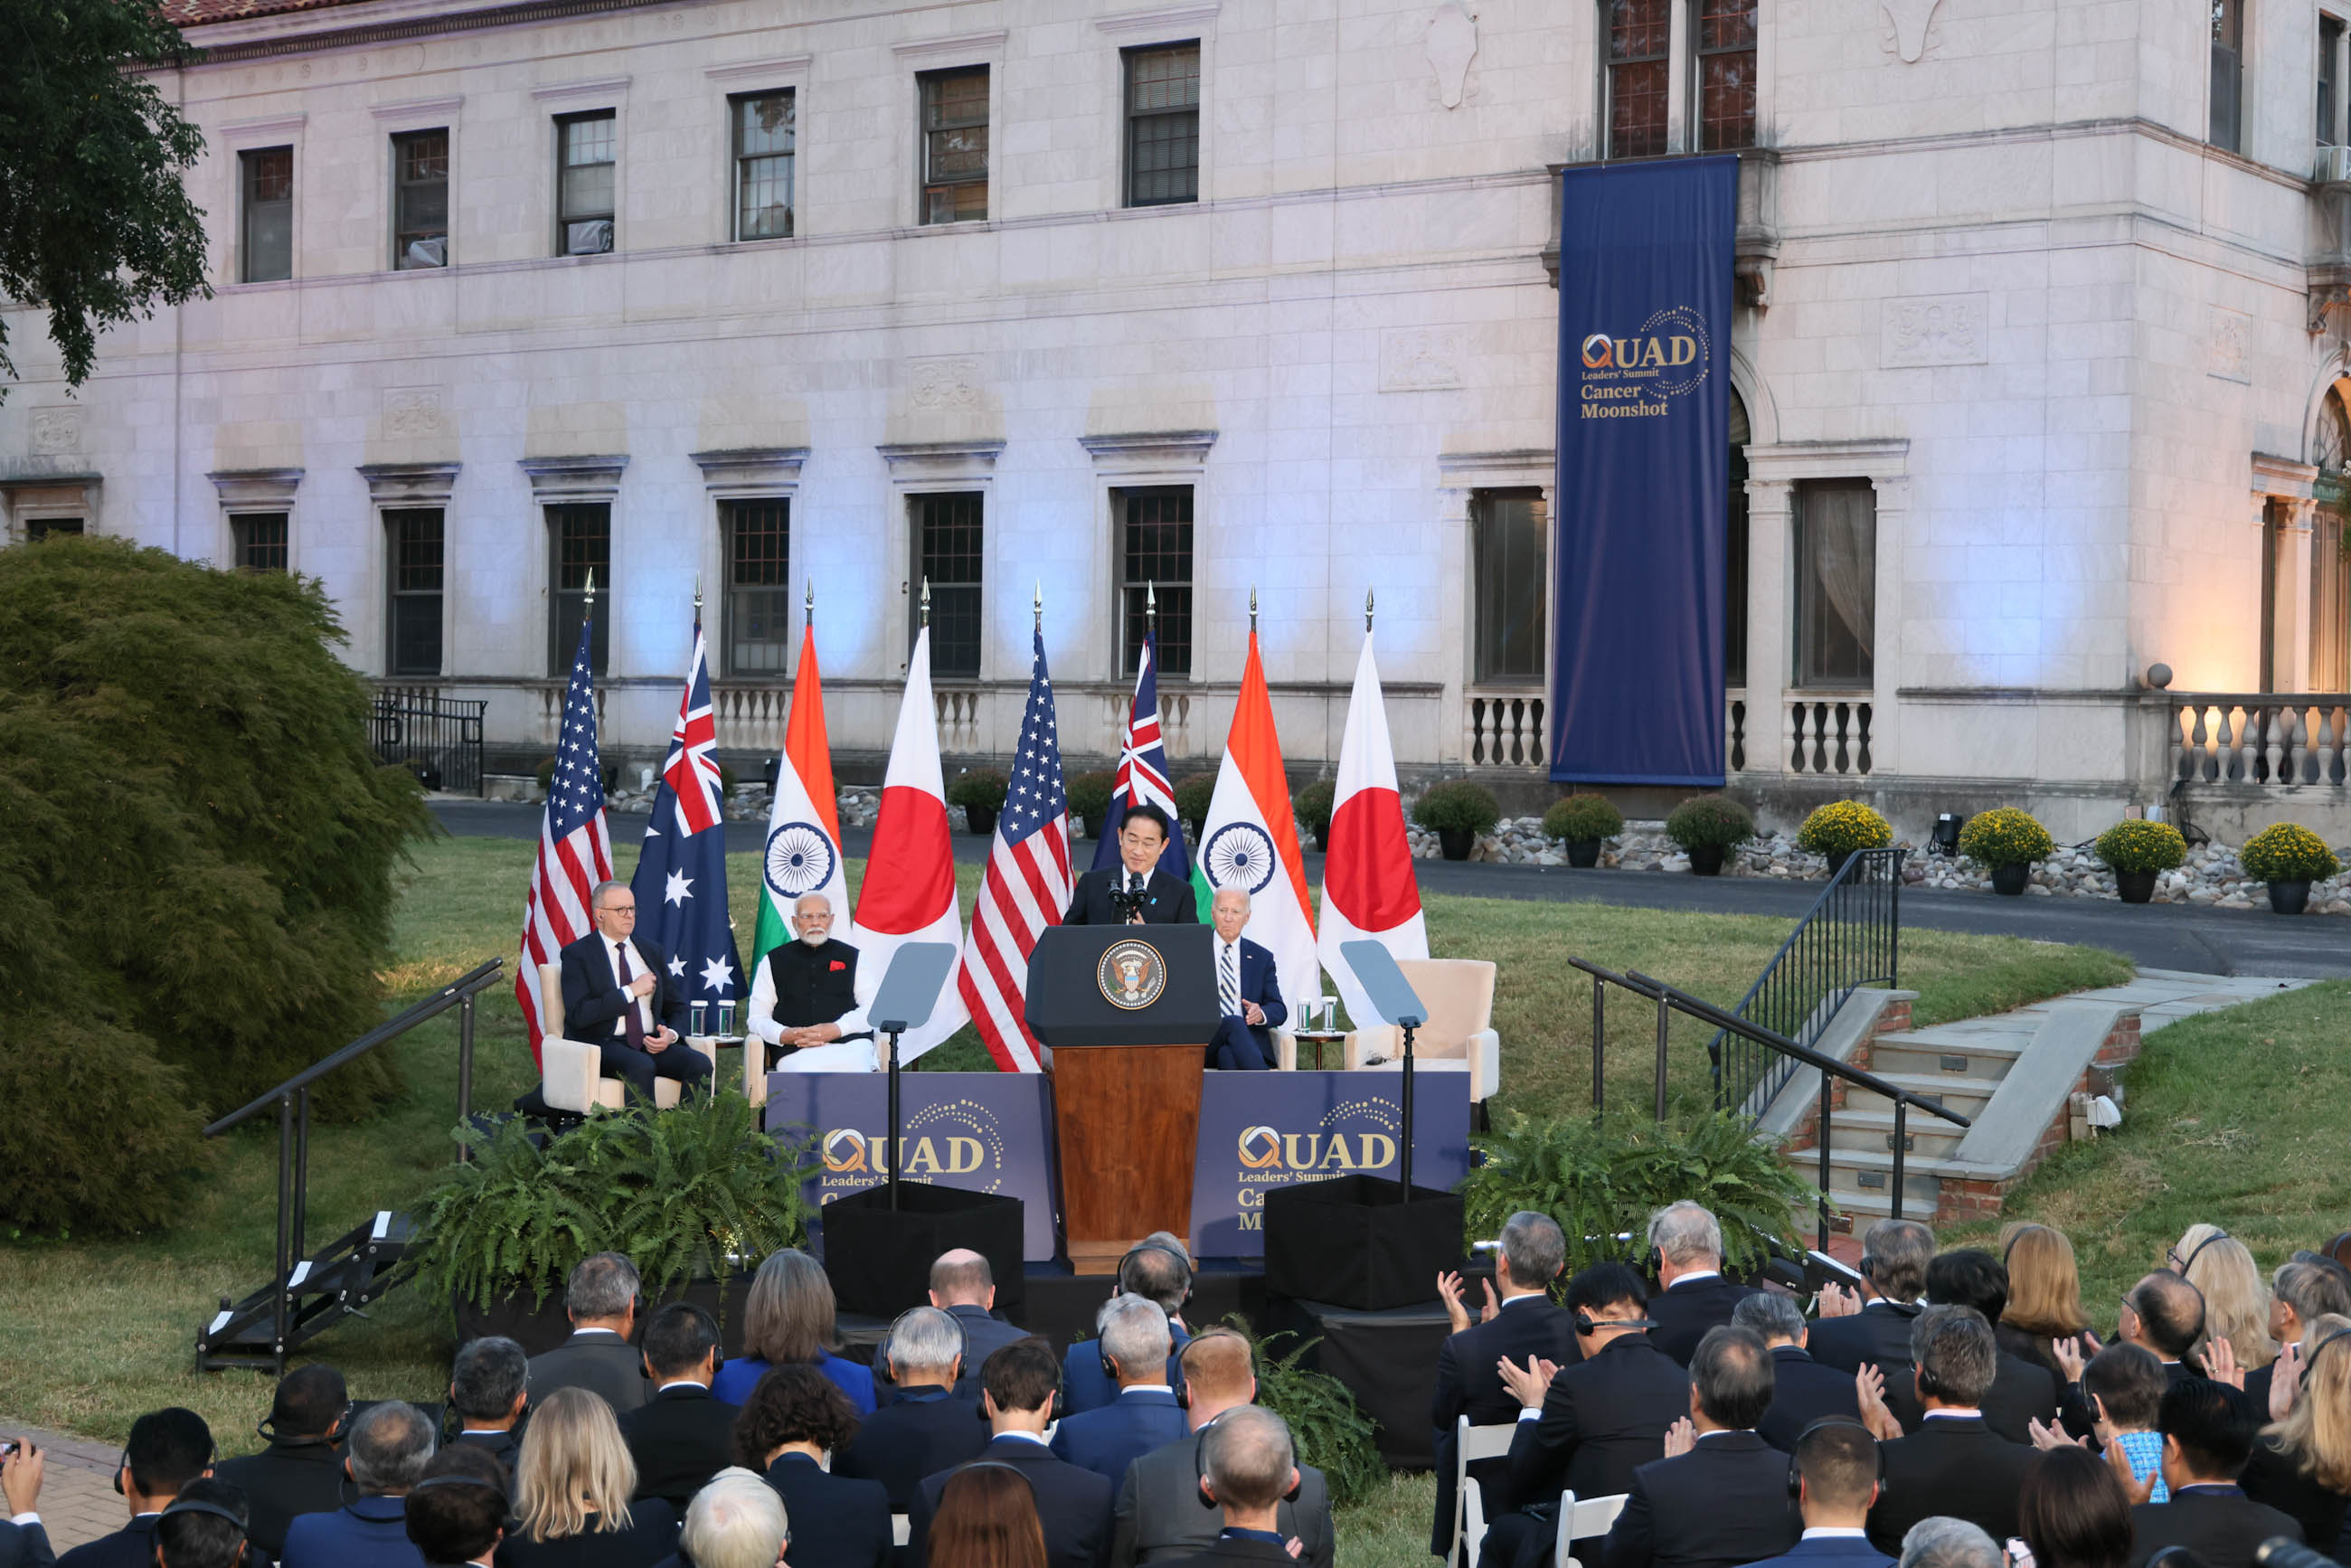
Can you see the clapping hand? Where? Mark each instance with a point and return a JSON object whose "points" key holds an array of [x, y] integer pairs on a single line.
{"points": [[2285, 1380], [1448, 1291], [1837, 1301], [2220, 1363], [1528, 1383], [2135, 1489], [2051, 1437], [1869, 1386], [1681, 1437], [2068, 1352]]}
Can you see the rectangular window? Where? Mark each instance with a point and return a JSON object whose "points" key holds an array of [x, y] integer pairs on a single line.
{"points": [[39, 529], [954, 147], [420, 199], [414, 629], [1734, 576], [1640, 40], [758, 591], [265, 185], [2228, 72], [1162, 125], [583, 183], [580, 536], [260, 541], [1726, 74], [1506, 560], [764, 139], [1155, 568], [2330, 45], [1836, 583], [947, 556]]}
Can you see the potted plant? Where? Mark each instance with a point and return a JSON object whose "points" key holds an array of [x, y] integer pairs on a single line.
{"points": [[2008, 841], [1089, 800], [2137, 852], [1581, 821], [2289, 858], [1192, 801], [1313, 808], [1708, 828], [1457, 811], [1841, 827], [980, 792]]}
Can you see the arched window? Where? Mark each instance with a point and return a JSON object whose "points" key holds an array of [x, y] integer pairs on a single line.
{"points": [[1734, 617]]}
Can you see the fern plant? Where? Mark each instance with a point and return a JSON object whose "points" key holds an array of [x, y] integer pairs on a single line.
{"points": [[1327, 1428]]}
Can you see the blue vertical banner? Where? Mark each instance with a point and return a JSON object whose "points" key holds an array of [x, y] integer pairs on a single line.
{"points": [[1640, 513]]}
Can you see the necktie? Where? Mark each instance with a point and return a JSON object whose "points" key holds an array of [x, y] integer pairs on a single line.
{"points": [[1229, 980], [630, 1024]]}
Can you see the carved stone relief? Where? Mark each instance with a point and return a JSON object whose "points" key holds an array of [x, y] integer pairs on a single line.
{"points": [[1452, 45], [1942, 329], [57, 431], [1420, 359]]}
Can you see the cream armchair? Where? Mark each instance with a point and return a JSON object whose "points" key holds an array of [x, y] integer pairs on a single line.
{"points": [[1459, 1036], [571, 1072]]}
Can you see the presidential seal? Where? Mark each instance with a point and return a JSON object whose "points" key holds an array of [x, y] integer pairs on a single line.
{"points": [[1132, 974]]}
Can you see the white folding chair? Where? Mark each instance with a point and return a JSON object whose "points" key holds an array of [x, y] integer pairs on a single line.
{"points": [[1470, 1444], [1582, 1521]]}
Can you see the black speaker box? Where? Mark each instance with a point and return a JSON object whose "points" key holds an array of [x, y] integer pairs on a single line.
{"points": [[1354, 1242], [879, 1258]]}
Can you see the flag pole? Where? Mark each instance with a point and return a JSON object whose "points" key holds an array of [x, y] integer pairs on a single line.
{"points": [[927, 602], [1252, 609], [1367, 612]]}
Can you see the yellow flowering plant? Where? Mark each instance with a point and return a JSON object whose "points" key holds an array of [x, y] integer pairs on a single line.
{"points": [[2005, 836], [2135, 845], [2285, 853], [1842, 827]]}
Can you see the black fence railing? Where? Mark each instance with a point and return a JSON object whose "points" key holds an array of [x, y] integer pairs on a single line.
{"points": [[439, 738]]}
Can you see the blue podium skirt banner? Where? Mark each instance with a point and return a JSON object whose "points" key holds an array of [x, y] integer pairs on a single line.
{"points": [[1640, 536]]}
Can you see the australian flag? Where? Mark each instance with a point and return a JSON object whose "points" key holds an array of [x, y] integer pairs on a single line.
{"points": [[1143, 771], [681, 880]]}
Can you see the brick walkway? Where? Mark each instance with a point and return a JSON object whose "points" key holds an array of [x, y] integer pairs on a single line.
{"points": [[78, 1498]]}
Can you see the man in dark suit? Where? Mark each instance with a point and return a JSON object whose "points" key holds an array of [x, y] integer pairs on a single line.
{"points": [[927, 1426], [168, 1449], [1251, 1466], [392, 1444], [1159, 899], [1134, 1349], [804, 998], [681, 1436], [1720, 1498], [1802, 1390], [1836, 1482], [2164, 1313], [1073, 1505], [1852, 1333], [617, 994], [1158, 1269], [963, 1286], [489, 1385], [299, 1472], [2208, 1435], [600, 1298], [1686, 1249], [1523, 1324], [1954, 1464], [24, 1540], [1249, 989], [2023, 1391]]}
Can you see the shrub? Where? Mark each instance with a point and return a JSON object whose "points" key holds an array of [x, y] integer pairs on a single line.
{"points": [[546, 774], [1329, 1430], [1089, 798], [1842, 827], [2005, 836], [1313, 806], [1579, 819], [726, 782], [98, 1133], [981, 786], [1456, 805], [1193, 798], [1711, 822], [2135, 845], [2285, 852]]}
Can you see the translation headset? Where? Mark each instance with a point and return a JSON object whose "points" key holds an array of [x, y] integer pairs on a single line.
{"points": [[1202, 1483], [889, 1340], [1000, 1465], [1109, 1366], [122, 1464], [1055, 1408], [1586, 1323], [1796, 1469], [2311, 1359], [1184, 1369], [181, 1505], [2198, 1250], [457, 1480]]}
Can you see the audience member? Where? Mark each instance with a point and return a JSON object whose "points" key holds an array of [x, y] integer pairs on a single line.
{"points": [[1834, 1468], [204, 1527], [1020, 1386], [987, 1519], [2299, 1293], [964, 1285], [795, 1418], [2236, 1297], [456, 1515], [299, 1472], [1720, 1498], [2044, 1315], [2208, 1435], [573, 1483], [735, 1522], [685, 1435], [1953, 1464], [168, 1449], [1248, 1465], [2071, 1512], [1134, 1352], [490, 1385], [2300, 1464], [1523, 1324], [1686, 1250], [391, 1445], [24, 1539], [1802, 1390], [2023, 1390], [788, 1321], [2123, 1386], [927, 1426], [1945, 1543], [2164, 1313], [1158, 1517], [600, 1300], [1158, 1270], [1852, 1334]]}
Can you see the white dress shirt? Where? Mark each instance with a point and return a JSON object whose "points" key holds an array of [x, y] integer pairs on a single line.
{"points": [[644, 1004], [1239, 1008]]}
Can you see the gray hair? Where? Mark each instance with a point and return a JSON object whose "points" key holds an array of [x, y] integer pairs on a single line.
{"points": [[1896, 1253], [1133, 1332], [801, 903], [1943, 1542], [488, 1376], [604, 1286], [596, 895], [1771, 1313], [924, 1340], [1248, 1457], [1234, 890], [1535, 1246], [2312, 1290], [1956, 1355], [391, 1445], [736, 1520], [1686, 1233], [1160, 1268]]}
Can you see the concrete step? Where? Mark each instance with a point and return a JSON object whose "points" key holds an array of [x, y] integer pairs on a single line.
{"points": [[1980, 1056], [1930, 1136], [1965, 1095], [1859, 1171]]}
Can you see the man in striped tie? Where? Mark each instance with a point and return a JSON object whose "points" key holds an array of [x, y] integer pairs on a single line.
{"points": [[1249, 989]]}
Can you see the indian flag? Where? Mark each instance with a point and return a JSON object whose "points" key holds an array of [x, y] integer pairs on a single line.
{"points": [[803, 848], [1250, 841]]}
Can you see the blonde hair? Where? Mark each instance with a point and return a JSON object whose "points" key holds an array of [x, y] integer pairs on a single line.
{"points": [[574, 1471], [2317, 1432], [2236, 1297], [2044, 1285], [788, 1319]]}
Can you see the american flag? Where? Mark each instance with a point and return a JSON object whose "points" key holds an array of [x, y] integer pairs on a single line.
{"points": [[1027, 886], [575, 848], [1143, 771]]}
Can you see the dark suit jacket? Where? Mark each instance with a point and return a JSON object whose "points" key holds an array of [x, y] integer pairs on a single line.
{"points": [[649, 1538], [1603, 1419], [1829, 1551], [1107, 1440], [1723, 1504], [1879, 1332], [502, 1447], [132, 1546], [1802, 1391], [836, 1521], [2222, 1527], [603, 1363], [24, 1546], [1168, 901], [814, 985], [1469, 1385], [2072, 1405], [983, 1336], [918, 1433], [1950, 1465], [1073, 1505], [1261, 984], [2021, 1393], [2276, 1477], [680, 1438], [1239, 1554], [370, 1532], [286, 1479], [1158, 1517], [591, 996], [1086, 1386], [1685, 1312]]}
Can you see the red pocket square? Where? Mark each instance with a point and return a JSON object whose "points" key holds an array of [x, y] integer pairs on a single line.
{"points": [[837, 964]]}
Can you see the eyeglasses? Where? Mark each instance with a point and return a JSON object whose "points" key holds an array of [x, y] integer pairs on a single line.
{"points": [[627, 909]]}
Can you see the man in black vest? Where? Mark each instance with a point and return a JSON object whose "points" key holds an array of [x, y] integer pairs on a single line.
{"points": [[804, 1001], [1134, 891]]}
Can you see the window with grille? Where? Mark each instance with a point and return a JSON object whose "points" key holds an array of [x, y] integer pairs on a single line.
{"points": [[1836, 583], [1640, 40], [2330, 46], [2228, 75], [954, 146], [1726, 74], [1506, 560], [1156, 567], [413, 625], [579, 537], [1162, 125], [420, 199], [265, 185], [260, 541], [584, 178], [758, 591], [947, 555], [764, 142]]}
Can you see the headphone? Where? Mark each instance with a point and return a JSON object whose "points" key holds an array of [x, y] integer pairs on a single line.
{"points": [[122, 1464], [457, 1480], [2311, 1359], [1796, 1470], [2198, 1250], [1184, 1372], [1203, 1483], [243, 1530], [890, 1339], [1190, 1270], [1586, 1323], [1000, 1465], [1055, 1407]]}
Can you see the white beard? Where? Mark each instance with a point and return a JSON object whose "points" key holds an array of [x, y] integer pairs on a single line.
{"points": [[817, 938]]}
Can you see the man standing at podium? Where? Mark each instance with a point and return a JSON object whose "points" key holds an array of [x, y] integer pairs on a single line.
{"points": [[1134, 891], [804, 1003], [1248, 990]]}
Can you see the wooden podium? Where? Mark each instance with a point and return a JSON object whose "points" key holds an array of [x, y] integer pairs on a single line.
{"points": [[1128, 1011]]}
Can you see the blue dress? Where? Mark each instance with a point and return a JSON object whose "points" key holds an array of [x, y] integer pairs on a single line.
{"points": [[739, 1377]]}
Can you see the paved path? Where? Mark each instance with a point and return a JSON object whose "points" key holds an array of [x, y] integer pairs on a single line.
{"points": [[78, 1503], [2181, 937]]}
